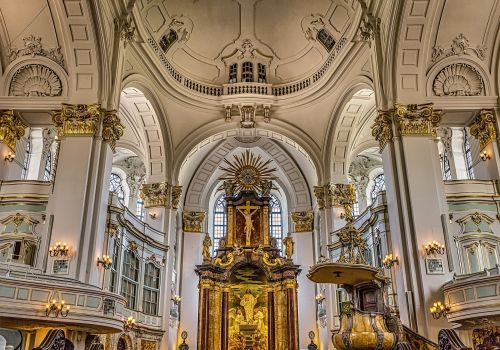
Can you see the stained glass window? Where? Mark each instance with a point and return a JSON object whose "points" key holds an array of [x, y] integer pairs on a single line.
{"points": [[378, 186], [115, 185]]}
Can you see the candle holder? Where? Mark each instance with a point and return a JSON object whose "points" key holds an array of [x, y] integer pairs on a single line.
{"points": [[106, 262], [129, 324], [56, 308], [389, 261], [59, 248], [439, 310], [434, 247]]}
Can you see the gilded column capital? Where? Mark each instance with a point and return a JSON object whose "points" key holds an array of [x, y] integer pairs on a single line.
{"points": [[112, 128], [176, 196], [342, 195], [303, 221], [382, 128], [77, 119], [192, 221], [11, 128], [417, 119], [156, 194], [319, 193], [483, 128]]}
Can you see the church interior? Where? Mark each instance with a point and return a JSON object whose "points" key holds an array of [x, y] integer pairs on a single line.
{"points": [[249, 175]]}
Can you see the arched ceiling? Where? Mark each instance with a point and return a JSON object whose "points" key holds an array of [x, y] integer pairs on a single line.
{"points": [[212, 32]]}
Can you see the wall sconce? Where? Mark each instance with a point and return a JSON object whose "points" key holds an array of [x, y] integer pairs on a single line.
{"points": [[319, 298], [434, 247], [106, 262], [153, 215], [129, 324], [59, 249], [176, 299], [56, 308], [439, 310], [450, 218], [484, 156], [9, 157], [389, 261]]}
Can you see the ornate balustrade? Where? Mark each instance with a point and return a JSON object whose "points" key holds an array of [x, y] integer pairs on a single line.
{"points": [[247, 88]]}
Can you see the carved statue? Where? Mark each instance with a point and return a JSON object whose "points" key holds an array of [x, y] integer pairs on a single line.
{"points": [[207, 243], [248, 301], [289, 243], [248, 221]]}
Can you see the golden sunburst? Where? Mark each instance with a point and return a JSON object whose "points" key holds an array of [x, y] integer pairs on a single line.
{"points": [[247, 172]]}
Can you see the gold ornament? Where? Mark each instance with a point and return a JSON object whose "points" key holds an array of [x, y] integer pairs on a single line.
{"points": [[155, 194], [193, 221], [11, 129], [79, 119], [414, 119], [112, 128], [288, 243], [319, 193], [207, 243], [303, 221], [382, 128], [483, 128], [176, 196], [248, 172], [266, 258]]}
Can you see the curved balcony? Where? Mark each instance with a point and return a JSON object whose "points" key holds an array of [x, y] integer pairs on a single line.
{"points": [[473, 298], [24, 294]]}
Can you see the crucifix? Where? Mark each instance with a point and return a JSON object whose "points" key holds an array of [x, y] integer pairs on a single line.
{"points": [[247, 214]]}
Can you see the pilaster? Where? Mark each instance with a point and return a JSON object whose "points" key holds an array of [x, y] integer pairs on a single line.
{"points": [[12, 128]]}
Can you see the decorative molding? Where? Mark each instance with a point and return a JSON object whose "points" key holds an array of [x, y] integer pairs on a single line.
{"points": [[155, 194], [459, 46], [247, 117], [382, 128], [483, 128], [415, 119], [303, 221], [35, 80], [33, 47], [136, 172], [311, 25], [11, 128], [176, 196], [341, 194], [183, 26], [126, 29], [319, 193], [458, 79], [78, 119], [192, 221], [112, 128]]}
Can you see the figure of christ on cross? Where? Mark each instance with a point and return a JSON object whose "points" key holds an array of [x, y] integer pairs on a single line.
{"points": [[247, 214]]}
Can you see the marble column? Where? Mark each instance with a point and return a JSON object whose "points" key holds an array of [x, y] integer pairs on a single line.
{"points": [[415, 200], [81, 188]]}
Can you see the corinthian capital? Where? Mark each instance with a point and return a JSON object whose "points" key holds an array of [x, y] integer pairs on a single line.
{"points": [[319, 193], [112, 128], [382, 128], [483, 127], [11, 128], [78, 119], [156, 194], [414, 119]]}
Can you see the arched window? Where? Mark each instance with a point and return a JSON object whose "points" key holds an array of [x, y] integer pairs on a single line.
{"points": [[167, 40], [262, 73], [151, 290], [130, 279], [247, 72], [378, 186], [275, 220], [468, 156], [326, 39], [115, 185], [220, 221]]}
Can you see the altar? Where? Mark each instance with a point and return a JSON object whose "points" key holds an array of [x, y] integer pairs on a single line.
{"points": [[248, 290]]}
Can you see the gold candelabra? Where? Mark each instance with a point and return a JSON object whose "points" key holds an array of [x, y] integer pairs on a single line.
{"points": [[129, 324], [434, 247], [56, 308], [389, 261], [59, 248], [439, 310], [106, 262]]}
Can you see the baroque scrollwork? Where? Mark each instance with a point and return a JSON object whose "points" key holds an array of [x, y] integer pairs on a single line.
{"points": [[78, 119], [247, 117], [459, 46], [319, 193], [35, 80], [382, 128], [33, 47], [483, 127], [416, 119], [155, 194], [112, 128], [303, 221], [176, 196], [193, 221], [458, 79], [11, 128]]}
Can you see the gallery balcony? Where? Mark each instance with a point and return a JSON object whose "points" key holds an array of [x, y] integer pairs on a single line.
{"points": [[473, 298]]}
